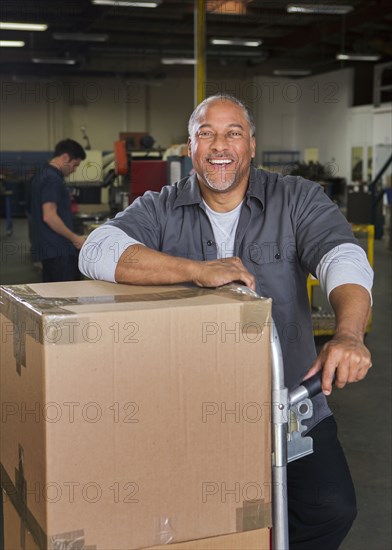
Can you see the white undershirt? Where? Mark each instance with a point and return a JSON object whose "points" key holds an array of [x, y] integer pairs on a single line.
{"points": [[224, 226], [344, 264]]}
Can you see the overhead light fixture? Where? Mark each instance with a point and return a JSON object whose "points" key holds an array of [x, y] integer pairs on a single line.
{"points": [[357, 57], [81, 36], [227, 7], [54, 60], [127, 4], [11, 43], [177, 61], [325, 9], [5, 26], [253, 43], [292, 72]]}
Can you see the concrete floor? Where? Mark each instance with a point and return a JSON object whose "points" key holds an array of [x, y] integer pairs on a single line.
{"points": [[363, 410]]}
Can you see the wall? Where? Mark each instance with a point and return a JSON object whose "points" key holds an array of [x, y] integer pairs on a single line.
{"points": [[289, 114], [274, 105], [382, 126], [307, 112], [24, 116], [322, 119], [38, 113]]}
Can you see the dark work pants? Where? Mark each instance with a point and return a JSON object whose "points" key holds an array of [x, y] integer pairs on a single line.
{"points": [[321, 496], [62, 268]]}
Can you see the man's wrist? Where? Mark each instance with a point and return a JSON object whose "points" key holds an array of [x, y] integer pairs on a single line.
{"points": [[192, 270], [349, 333]]}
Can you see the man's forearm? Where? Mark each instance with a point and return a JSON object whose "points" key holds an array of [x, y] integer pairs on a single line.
{"points": [[58, 226], [140, 265], [345, 355], [351, 304]]}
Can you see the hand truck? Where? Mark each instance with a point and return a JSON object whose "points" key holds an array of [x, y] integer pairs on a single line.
{"points": [[288, 441]]}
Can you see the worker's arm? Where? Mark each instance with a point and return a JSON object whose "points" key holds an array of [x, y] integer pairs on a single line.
{"points": [[140, 265], [345, 353], [50, 216]]}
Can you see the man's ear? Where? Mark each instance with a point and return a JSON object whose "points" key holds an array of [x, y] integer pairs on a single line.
{"points": [[253, 147], [189, 147]]}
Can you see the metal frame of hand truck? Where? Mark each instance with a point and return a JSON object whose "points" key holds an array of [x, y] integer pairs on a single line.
{"points": [[282, 401]]}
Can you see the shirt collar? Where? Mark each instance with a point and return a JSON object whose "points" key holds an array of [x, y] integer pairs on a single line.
{"points": [[55, 169], [257, 182], [190, 192]]}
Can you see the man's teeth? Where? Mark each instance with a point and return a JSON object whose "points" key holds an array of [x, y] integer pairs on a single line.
{"points": [[220, 161]]}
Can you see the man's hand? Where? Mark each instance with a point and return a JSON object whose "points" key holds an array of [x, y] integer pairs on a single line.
{"points": [[51, 217], [346, 355], [221, 272], [78, 241]]}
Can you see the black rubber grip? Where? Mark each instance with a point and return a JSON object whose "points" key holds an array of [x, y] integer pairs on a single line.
{"points": [[313, 385]]}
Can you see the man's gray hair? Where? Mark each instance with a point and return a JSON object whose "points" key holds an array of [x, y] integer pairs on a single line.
{"points": [[221, 97]]}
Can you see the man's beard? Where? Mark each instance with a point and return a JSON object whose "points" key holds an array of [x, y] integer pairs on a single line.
{"points": [[225, 181], [221, 187]]}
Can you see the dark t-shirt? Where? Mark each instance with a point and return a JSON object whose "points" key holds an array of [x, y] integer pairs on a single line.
{"points": [[48, 185]]}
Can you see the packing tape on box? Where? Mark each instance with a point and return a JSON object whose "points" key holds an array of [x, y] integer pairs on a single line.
{"points": [[41, 305], [28, 312], [255, 514], [165, 530], [17, 493], [252, 310], [18, 500], [48, 319]]}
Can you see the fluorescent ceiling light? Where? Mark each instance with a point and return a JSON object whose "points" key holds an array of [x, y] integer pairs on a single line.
{"points": [[326, 9], [54, 60], [357, 57], [126, 4], [177, 61], [5, 26], [236, 42], [292, 72], [81, 36], [11, 43]]}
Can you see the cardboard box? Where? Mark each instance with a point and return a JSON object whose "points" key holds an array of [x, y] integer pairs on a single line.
{"points": [[135, 416]]}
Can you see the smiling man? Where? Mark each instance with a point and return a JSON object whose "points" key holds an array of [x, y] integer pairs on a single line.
{"points": [[221, 145], [232, 222]]}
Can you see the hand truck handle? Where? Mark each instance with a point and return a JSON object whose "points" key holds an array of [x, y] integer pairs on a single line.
{"points": [[308, 388], [313, 384]]}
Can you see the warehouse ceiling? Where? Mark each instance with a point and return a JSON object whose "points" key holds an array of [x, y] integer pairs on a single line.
{"points": [[137, 39]]}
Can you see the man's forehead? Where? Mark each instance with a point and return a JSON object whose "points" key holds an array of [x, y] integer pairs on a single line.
{"points": [[232, 116], [228, 124], [222, 106]]}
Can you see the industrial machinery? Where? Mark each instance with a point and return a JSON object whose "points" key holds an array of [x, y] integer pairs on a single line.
{"points": [[137, 168]]}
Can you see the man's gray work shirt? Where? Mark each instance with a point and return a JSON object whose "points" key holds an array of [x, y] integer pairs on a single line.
{"points": [[286, 226]]}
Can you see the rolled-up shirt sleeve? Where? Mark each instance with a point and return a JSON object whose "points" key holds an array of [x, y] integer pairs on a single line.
{"points": [[346, 263], [100, 253]]}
